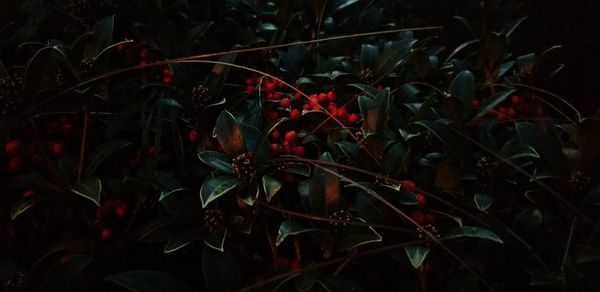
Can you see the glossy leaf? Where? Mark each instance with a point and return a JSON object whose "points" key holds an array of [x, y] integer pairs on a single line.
{"points": [[215, 187], [103, 35], [101, 153], [271, 186], [216, 160], [216, 238], [148, 281], [463, 87], [321, 193], [230, 134], [181, 240], [483, 201], [391, 57], [24, 204], [290, 228], [91, 188], [474, 232], [417, 254], [355, 235]]}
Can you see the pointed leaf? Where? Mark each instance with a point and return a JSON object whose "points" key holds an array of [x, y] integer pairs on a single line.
{"points": [[230, 134], [483, 201], [271, 186], [355, 235], [463, 88], [215, 187], [24, 204], [288, 228], [181, 240], [101, 153], [417, 254], [473, 231], [89, 189], [491, 102], [216, 160], [216, 238]]}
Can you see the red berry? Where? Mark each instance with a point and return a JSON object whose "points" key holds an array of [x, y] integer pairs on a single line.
{"points": [[298, 95], [408, 185], [167, 79], [295, 265], [276, 95], [67, 129], [306, 107], [249, 81], [279, 84], [121, 47], [249, 89], [14, 164], [291, 136], [285, 102], [294, 114], [28, 193], [515, 99], [270, 96], [322, 98], [290, 179], [142, 63], [258, 80], [502, 110], [501, 117], [12, 147], [282, 262], [193, 136], [511, 112], [418, 217], [421, 200], [353, 118], [270, 86], [331, 96], [143, 54], [167, 72], [57, 149], [332, 107], [275, 135], [106, 233], [273, 115], [341, 113], [475, 103], [121, 211], [152, 151], [298, 151], [276, 148]]}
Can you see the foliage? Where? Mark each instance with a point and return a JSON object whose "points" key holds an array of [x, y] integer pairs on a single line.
{"points": [[291, 145]]}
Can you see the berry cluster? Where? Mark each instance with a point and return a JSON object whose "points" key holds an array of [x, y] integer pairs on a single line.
{"points": [[286, 144], [213, 218], [242, 166], [511, 108], [417, 214], [140, 53], [339, 215], [17, 152], [108, 215], [282, 262]]}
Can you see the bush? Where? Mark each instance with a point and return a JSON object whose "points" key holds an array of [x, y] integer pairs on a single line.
{"points": [[287, 145]]}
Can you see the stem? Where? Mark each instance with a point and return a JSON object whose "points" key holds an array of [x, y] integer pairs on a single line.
{"points": [[86, 118]]}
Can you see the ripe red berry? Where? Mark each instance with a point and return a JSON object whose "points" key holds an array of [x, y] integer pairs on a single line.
{"points": [[295, 264], [511, 112], [193, 136], [332, 107], [167, 72], [341, 113], [294, 114], [249, 81], [282, 262], [249, 89], [298, 151], [418, 217], [353, 118], [67, 129], [279, 84], [28, 193], [285, 102], [14, 164], [421, 200], [291, 136], [270, 86], [306, 107], [273, 115], [121, 47], [475, 102], [106, 233], [290, 179], [275, 135], [57, 149], [322, 98], [167, 79], [501, 117], [143, 54], [142, 63], [515, 99], [276, 95], [12, 147], [408, 185], [276, 148], [298, 95], [502, 110], [121, 211], [152, 151], [331, 96]]}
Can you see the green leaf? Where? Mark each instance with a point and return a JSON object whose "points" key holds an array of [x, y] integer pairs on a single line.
{"points": [[148, 281], [216, 238], [355, 235], [101, 153], [368, 56], [391, 57], [221, 271], [463, 88], [322, 192], [181, 240], [216, 160], [483, 201], [166, 184], [289, 228], [456, 144], [24, 204], [230, 134], [546, 144], [192, 37], [36, 69], [394, 158], [297, 168], [90, 189], [417, 254], [219, 74], [271, 186], [103, 35], [215, 187], [473, 231], [375, 111]]}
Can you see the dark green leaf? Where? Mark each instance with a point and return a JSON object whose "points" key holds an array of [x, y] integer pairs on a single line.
{"points": [[90, 188], [417, 254], [148, 281], [219, 74], [368, 56], [391, 57], [221, 271], [455, 143], [216, 160], [215, 187], [355, 235], [101, 153], [103, 34], [321, 193], [230, 134], [394, 158], [463, 88], [33, 181], [181, 240], [546, 144], [24, 204], [588, 130], [271, 186], [473, 231], [483, 201], [216, 238], [289, 228], [193, 36]]}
